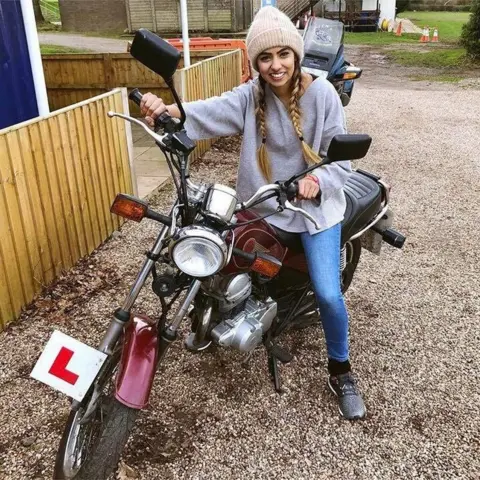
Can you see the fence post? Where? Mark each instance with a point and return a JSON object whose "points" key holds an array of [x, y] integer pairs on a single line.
{"points": [[128, 132], [109, 72], [239, 66]]}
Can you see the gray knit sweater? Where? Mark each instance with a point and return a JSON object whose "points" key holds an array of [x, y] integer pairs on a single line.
{"points": [[322, 118]]}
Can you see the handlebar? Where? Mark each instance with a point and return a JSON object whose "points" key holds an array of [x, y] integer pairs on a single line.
{"points": [[165, 120], [291, 191], [158, 138], [170, 125]]}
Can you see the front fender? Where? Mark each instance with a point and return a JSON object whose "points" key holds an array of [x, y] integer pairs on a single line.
{"points": [[138, 363]]}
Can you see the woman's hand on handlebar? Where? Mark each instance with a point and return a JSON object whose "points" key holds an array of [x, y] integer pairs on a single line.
{"points": [[152, 107], [307, 189]]}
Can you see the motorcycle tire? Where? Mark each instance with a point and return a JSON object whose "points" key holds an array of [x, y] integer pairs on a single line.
{"points": [[105, 454], [354, 250]]}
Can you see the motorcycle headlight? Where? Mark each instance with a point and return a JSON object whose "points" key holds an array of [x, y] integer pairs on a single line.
{"points": [[198, 252]]}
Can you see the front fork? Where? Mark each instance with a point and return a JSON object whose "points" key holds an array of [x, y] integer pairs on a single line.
{"points": [[122, 315]]}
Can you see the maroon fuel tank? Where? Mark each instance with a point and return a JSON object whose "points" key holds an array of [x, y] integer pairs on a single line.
{"points": [[256, 237]]}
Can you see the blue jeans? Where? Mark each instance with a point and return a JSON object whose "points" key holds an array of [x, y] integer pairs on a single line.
{"points": [[323, 258]]}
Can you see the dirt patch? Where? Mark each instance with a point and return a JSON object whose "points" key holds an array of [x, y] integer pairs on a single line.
{"points": [[379, 71]]}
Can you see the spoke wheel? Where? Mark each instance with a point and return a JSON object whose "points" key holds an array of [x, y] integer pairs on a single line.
{"points": [[95, 434], [353, 251]]}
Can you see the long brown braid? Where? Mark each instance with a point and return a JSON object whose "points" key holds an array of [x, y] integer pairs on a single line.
{"points": [[295, 115], [262, 155]]}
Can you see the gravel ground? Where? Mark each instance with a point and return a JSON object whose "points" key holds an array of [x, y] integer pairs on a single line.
{"points": [[414, 333]]}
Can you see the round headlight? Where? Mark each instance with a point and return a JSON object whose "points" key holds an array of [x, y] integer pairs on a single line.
{"points": [[198, 252]]}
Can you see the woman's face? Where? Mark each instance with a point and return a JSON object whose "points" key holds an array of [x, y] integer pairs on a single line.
{"points": [[276, 66]]}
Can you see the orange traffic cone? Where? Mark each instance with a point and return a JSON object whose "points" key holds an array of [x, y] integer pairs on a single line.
{"points": [[399, 30], [425, 35], [422, 38], [435, 35]]}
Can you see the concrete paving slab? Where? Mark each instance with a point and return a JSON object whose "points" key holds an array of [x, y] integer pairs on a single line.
{"points": [[149, 162], [153, 169], [147, 184]]}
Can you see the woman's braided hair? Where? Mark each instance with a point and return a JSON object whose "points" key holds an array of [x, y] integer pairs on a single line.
{"points": [[295, 115]]}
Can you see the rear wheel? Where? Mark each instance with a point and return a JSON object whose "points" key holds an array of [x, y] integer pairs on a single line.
{"points": [[353, 250], [94, 438]]}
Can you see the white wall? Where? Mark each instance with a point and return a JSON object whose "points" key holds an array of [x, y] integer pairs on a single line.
{"points": [[387, 10]]}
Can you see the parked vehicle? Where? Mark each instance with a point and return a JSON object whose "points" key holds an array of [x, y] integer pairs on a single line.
{"points": [[239, 281], [324, 56]]}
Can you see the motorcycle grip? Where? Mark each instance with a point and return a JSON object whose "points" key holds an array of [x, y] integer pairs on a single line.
{"points": [[292, 192], [135, 96], [164, 119]]}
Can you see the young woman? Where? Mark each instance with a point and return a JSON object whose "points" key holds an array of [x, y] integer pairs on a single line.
{"points": [[285, 118]]}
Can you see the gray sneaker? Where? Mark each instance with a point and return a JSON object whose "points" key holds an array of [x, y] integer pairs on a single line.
{"points": [[350, 402]]}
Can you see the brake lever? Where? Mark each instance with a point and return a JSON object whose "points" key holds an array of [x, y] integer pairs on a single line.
{"points": [[289, 206], [158, 138]]}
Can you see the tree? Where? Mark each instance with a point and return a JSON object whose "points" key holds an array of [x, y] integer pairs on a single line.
{"points": [[470, 38], [38, 12]]}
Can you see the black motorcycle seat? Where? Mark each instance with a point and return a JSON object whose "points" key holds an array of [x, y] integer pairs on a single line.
{"points": [[363, 195], [364, 198]]}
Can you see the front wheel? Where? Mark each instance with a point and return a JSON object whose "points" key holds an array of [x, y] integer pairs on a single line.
{"points": [[96, 433], [109, 431]]}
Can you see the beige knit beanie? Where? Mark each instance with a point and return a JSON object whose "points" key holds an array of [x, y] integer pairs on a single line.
{"points": [[272, 28]]}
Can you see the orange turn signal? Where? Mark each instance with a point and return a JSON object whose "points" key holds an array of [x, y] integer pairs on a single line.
{"points": [[266, 266], [131, 208], [350, 75]]}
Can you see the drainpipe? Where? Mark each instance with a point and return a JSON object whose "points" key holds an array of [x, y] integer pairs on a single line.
{"points": [[185, 39], [35, 56]]}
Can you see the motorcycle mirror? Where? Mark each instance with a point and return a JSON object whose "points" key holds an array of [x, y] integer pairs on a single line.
{"points": [[347, 147], [155, 53], [342, 147]]}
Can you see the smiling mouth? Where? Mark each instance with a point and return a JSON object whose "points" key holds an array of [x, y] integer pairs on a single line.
{"points": [[277, 76]]}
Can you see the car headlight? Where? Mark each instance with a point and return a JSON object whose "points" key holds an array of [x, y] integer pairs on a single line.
{"points": [[198, 251]]}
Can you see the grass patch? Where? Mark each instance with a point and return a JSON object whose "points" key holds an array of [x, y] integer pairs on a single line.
{"points": [[436, 78], [53, 49], [437, 58], [379, 38], [50, 10], [449, 23], [48, 27]]}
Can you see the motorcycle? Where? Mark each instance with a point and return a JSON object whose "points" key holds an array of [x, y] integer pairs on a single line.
{"points": [[323, 40], [238, 280]]}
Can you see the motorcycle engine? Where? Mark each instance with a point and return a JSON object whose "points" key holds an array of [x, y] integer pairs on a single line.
{"points": [[244, 331]]}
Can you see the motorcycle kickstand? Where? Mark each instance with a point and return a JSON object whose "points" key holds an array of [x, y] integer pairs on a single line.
{"points": [[275, 373], [275, 354]]}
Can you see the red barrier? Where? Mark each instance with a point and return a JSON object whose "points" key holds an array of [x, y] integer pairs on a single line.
{"points": [[208, 43]]}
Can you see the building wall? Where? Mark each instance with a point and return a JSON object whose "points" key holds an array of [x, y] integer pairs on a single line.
{"points": [[93, 15]]}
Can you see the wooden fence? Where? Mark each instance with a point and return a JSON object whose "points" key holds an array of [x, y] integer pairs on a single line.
{"points": [[76, 77], [210, 78], [58, 177], [59, 174]]}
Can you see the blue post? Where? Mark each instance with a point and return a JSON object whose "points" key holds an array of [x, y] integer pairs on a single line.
{"points": [[17, 92]]}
